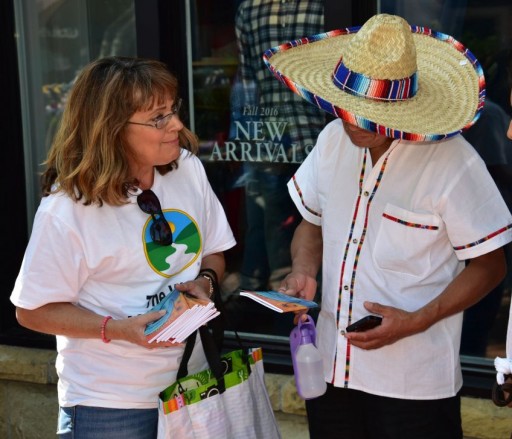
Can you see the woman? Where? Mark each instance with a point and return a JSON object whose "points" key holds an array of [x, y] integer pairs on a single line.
{"points": [[127, 216]]}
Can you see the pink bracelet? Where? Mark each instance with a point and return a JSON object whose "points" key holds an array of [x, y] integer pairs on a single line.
{"points": [[103, 326]]}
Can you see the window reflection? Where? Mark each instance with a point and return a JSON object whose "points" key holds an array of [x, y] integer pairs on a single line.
{"points": [[57, 38], [268, 134], [480, 26], [485, 323], [255, 133]]}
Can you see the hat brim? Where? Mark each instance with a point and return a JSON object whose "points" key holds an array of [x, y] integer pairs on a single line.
{"points": [[451, 85]]}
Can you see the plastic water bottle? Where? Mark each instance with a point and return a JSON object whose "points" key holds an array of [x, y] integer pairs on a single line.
{"points": [[307, 362]]}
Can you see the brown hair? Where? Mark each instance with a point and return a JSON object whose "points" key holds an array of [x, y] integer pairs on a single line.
{"points": [[88, 156]]}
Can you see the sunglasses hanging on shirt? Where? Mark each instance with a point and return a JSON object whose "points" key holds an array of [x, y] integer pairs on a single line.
{"points": [[160, 230]]}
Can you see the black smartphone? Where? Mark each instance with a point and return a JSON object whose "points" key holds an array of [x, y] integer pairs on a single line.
{"points": [[364, 324]]}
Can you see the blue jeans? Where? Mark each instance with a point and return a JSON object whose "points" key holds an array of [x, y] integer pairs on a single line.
{"points": [[82, 422]]}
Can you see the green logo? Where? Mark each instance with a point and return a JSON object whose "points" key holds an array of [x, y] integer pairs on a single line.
{"points": [[169, 260]]}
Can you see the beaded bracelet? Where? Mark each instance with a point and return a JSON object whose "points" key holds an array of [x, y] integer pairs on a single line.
{"points": [[103, 326]]}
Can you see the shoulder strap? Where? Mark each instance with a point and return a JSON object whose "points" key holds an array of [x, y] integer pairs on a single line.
{"points": [[218, 324], [212, 356], [212, 339], [189, 347]]}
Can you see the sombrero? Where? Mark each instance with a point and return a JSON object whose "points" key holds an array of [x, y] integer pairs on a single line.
{"points": [[398, 80]]}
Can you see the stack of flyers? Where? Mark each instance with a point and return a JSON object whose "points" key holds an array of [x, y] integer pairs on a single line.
{"points": [[184, 315], [279, 302]]}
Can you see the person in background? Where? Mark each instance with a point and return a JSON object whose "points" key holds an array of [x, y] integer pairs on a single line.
{"points": [[502, 391], [394, 201], [287, 129], [270, 214], [127, 216], [489, 140], [482, 322]]}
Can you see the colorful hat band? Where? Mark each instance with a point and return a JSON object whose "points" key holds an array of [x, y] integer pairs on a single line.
{"points": [[381, 89]]}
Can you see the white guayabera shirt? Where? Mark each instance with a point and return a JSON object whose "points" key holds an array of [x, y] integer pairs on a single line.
{"points": [[396, 232]]}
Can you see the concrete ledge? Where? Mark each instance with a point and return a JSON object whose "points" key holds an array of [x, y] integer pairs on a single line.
{"points": [[28, 401], [28, 365]]}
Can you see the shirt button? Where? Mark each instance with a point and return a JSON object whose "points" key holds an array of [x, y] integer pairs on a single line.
{"points": [[366, 193], [354, 241], [345, 287]]}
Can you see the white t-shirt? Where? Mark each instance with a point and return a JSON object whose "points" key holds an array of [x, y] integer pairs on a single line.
{"points": [[396, 233], [102, 259]]}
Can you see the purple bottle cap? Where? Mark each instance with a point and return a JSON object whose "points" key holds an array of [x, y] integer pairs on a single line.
{"points": [[305, 333]]}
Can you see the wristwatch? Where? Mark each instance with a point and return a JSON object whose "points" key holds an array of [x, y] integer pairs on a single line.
{"points": [[211, 279]]}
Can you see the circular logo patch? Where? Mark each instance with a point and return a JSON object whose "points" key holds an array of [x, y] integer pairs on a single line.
{"points": [[169, 260]]}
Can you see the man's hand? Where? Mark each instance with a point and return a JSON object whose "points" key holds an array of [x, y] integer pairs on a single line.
{"points": [[479, 277], [299, 285], [396, 324]]}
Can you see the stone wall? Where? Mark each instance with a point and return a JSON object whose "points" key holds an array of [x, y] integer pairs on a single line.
{"points": [[28, 401]]}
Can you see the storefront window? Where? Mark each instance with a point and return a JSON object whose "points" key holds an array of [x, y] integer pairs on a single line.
{"points": [[483, 27], [56, 38], [254, 134], [253, 131]]}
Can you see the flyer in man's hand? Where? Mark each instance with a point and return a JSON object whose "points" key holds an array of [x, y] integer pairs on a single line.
{"points": [[279, 302], [184, 315]]}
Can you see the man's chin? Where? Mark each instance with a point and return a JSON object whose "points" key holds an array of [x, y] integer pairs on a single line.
{"points": [[360, 141]]}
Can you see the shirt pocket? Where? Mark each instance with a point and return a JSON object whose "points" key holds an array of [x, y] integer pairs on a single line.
{"points": [[405, 240]]}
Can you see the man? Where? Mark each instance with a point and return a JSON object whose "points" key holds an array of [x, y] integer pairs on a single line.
{"points": [[394, 201]]}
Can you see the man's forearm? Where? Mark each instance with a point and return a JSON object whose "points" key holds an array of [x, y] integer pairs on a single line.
{"points": [[306, 249], [477, 279]]}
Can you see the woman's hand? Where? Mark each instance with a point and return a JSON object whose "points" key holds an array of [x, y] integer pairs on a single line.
{"points": [[199, 288], [132, 330], [72, 321]]}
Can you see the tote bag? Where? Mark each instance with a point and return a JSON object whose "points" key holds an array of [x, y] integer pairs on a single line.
{"points": [[227, 401]]}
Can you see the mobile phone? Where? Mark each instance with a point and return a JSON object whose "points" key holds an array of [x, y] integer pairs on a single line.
{"points": [[364, 324]]}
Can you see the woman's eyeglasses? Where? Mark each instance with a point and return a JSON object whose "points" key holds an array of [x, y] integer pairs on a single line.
{"points": [[160, 230], [161, 122]]}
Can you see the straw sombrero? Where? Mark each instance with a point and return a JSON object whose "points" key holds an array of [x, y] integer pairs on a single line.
{"points": [[398, 80]]}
